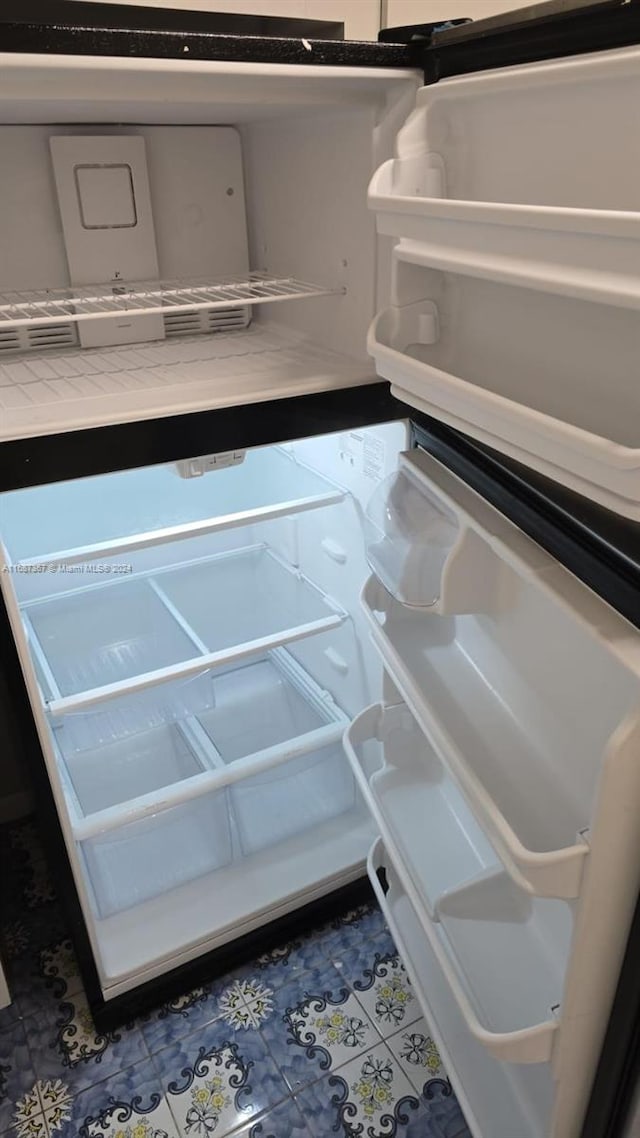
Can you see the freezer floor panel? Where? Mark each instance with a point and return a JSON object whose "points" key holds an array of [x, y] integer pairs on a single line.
{"points": [[66, 391]]}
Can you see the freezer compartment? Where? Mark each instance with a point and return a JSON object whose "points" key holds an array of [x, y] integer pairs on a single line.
{"points": [[421, 814], [100, 642], [500, 1099], [59, 523], [153, 855], [521, 370]]}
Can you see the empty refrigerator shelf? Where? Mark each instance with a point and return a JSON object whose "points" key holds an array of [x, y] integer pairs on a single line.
{"points": [[499, 1099], [104, 301], [58, 523], [422, 816], [49, 392], [101, 642]]}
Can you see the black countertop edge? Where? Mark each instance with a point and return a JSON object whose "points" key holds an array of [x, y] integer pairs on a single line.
{"points": [[62, 39]]}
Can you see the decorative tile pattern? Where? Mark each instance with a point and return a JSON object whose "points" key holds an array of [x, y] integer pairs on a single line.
{"points": [[320, 1037], [16, 1072], [217, 1079], [369, 1096], [417, 1054], [128, 1105], [65, 1044]]}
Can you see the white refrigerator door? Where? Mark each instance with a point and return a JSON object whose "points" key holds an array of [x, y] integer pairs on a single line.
{"points": [[515, 278], [501, 771]]}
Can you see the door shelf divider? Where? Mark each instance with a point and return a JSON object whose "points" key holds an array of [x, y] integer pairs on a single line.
{"points": [[107, 301], [239, 604], [548, 872], [527, 1044]]}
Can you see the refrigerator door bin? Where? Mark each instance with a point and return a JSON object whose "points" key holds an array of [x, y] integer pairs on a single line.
{"points": [[420, 552], [508, 988], [58, 523], [524, 731], [521, 370], [152, 855], [499, 1099], [293, 797], [422, 816]]}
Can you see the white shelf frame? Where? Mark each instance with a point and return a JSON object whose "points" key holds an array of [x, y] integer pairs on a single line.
{"points": [[146, 298]]}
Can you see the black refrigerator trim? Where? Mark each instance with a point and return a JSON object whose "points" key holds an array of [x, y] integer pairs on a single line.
{"points": [[542, 31]]}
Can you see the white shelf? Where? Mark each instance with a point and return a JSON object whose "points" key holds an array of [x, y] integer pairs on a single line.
{"points": [[145, 298], [101, 642], [424, 820], [499, 1099], [58, 523], [51, 392]]}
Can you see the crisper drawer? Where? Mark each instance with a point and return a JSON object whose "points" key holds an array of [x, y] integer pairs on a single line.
{"points": [[149, 857], [499, 1099]]}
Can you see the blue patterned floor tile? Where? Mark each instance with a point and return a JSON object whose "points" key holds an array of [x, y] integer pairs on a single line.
{"points": [[378, 979], [287, 961], [439, 1115], [65, 1045], [369, 1096], [179, 1017], [16, 1072], [316, 1025], [29, 885], [349, 929], [45, 975], [219, 1078], [127, 1105], [284, 1121]]}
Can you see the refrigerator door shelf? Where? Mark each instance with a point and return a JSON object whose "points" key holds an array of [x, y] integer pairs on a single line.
{"points": [[57, 524], [522, 371], [425, 823], [99, 643], [499, 1099]]}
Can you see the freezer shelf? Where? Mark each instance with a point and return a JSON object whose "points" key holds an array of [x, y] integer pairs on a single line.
{"points": [[162, 806], [99, 643], [422, 816], [58, 523], [499, 1099]]}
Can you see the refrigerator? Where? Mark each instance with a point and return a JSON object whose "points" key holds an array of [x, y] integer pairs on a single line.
{"points": [[319, 503]]}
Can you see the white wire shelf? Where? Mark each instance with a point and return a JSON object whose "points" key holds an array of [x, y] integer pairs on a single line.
{"points": [[104, 301]]}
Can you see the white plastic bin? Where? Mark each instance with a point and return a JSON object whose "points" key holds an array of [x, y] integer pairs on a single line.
{"points": [[292, 797], [150, 856]]}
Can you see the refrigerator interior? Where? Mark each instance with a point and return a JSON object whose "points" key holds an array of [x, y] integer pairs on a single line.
{"points": [[194, 251], [195, 649]]}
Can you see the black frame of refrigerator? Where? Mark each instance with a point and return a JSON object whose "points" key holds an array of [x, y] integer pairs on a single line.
{"points": [[602, 549]]}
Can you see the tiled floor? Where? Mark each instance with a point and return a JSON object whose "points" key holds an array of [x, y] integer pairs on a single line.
{"points": [[322, 1038]]}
